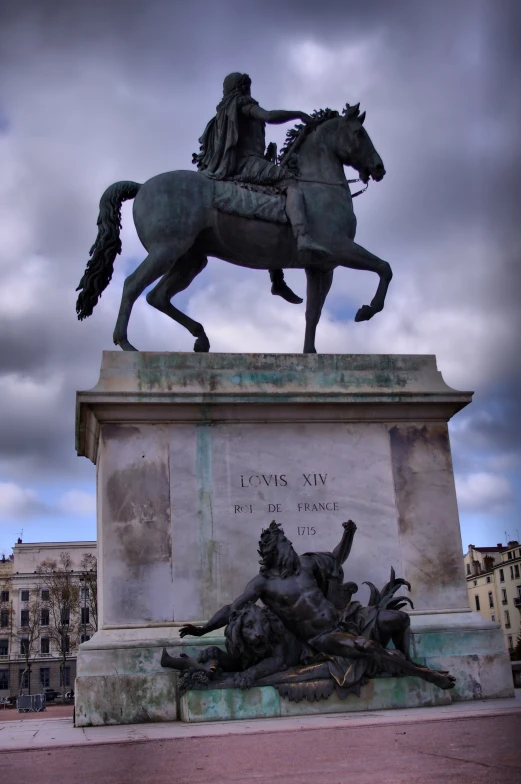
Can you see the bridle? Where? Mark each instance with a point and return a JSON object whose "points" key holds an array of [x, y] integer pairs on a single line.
{"points": [[343, 184]]}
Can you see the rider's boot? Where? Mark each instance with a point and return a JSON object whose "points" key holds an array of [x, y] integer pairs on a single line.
{"points": [[280, 288], [308, 249]]}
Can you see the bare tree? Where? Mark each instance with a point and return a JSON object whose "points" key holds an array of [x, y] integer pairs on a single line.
{"points": [[89, 583], [63, 589], [26, 634], [6, 602]]}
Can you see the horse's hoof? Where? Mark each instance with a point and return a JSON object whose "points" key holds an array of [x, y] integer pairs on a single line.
{"points": [[365, 313], [202, 344]]}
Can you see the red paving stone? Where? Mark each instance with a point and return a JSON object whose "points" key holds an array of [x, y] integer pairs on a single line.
{"points": [[51, 712], [480, 750]]}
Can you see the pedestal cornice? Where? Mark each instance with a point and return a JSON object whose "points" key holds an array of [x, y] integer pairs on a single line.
{"points": [[190, 387]]}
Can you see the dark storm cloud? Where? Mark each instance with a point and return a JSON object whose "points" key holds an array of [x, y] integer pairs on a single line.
{"points": [[97, 91]]}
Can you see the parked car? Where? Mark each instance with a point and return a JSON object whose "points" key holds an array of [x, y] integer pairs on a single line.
{"points": [[51, 695]]}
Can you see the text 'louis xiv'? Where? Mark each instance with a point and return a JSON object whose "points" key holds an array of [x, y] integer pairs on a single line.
{"points": [[281, 480]]}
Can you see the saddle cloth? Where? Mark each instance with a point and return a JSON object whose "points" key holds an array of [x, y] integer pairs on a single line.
{"points": [[250, 201]]}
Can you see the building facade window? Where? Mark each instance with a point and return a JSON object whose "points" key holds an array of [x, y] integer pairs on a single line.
{"points": [[475, 582], [488, 578], [504, 596], [44, 645], [4, 596], [24, 596], [23, 678], [507, 619], [511, 572], [490, 599], [65, 618], [510, 556], [493, 617], [4, 679], [4, 619], [84, 594], [468, 568], [24, 646], [24, 618], [45, 677], [44, 616], [501, 575], [66, 644], [516, 571], [510, 643], [84, 614], [67, 678], [4, 647], [477, 603], [45, 594]]}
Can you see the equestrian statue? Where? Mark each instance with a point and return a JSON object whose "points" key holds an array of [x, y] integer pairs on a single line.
{"points": [[247, 206]]}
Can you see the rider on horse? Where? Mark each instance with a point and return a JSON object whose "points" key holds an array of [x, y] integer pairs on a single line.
{"points": [[233, 148]]}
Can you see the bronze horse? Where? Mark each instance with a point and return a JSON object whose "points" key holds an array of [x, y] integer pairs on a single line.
{"points": [[178, 225]]}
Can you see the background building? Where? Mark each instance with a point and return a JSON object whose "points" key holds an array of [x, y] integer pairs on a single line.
{"points": [[494, 586], [37, 628]]}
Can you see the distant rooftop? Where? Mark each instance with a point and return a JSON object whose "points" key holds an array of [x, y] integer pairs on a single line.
{"points": [[498, 548], [81, 543]]}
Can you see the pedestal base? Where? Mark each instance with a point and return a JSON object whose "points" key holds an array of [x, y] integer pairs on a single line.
{"points": [[264, 702], [469, 647], [121, 681]]}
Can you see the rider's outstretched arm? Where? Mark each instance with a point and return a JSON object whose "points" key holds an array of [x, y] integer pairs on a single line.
{"points": [[221, 617], [275, 117]]}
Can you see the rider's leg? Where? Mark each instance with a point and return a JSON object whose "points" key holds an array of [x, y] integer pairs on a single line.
{"points": [[281, 288], [296, 212]]}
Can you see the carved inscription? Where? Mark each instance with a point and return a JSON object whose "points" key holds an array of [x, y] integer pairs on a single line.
{"points": [[281, 480], [263, 481]]}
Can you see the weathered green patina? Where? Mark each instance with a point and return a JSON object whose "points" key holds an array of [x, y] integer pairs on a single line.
{"points": [[265, 702]]}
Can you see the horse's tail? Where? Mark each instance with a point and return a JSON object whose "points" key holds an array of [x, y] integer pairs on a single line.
{"points": [[98, 272]]}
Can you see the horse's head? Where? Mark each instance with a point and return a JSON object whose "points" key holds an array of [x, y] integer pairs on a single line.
{"points": [[355, 148]]}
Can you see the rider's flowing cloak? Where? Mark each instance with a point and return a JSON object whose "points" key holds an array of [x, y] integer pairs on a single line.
{"points": [[217, 158]]}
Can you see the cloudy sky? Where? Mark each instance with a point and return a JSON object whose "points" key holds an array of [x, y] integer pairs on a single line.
{"points": [[98, 91]]}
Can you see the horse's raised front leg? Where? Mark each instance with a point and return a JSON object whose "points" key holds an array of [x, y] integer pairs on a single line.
{"points": [[319, 283], [178, 279], [356, 257]]}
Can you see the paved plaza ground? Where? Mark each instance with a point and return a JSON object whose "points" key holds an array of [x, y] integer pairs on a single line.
{"points": [[475, 743], [57, 711]]}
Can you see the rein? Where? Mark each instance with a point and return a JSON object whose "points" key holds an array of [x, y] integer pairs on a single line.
{"points": [[343, 184], [362, 190]]}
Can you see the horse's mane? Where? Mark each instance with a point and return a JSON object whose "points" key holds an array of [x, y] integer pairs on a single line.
{"points": [[288, 156], [295, 136]]}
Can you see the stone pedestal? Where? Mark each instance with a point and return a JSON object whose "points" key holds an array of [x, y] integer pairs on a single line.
{"points": [[196, 453], [265, 702]]}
